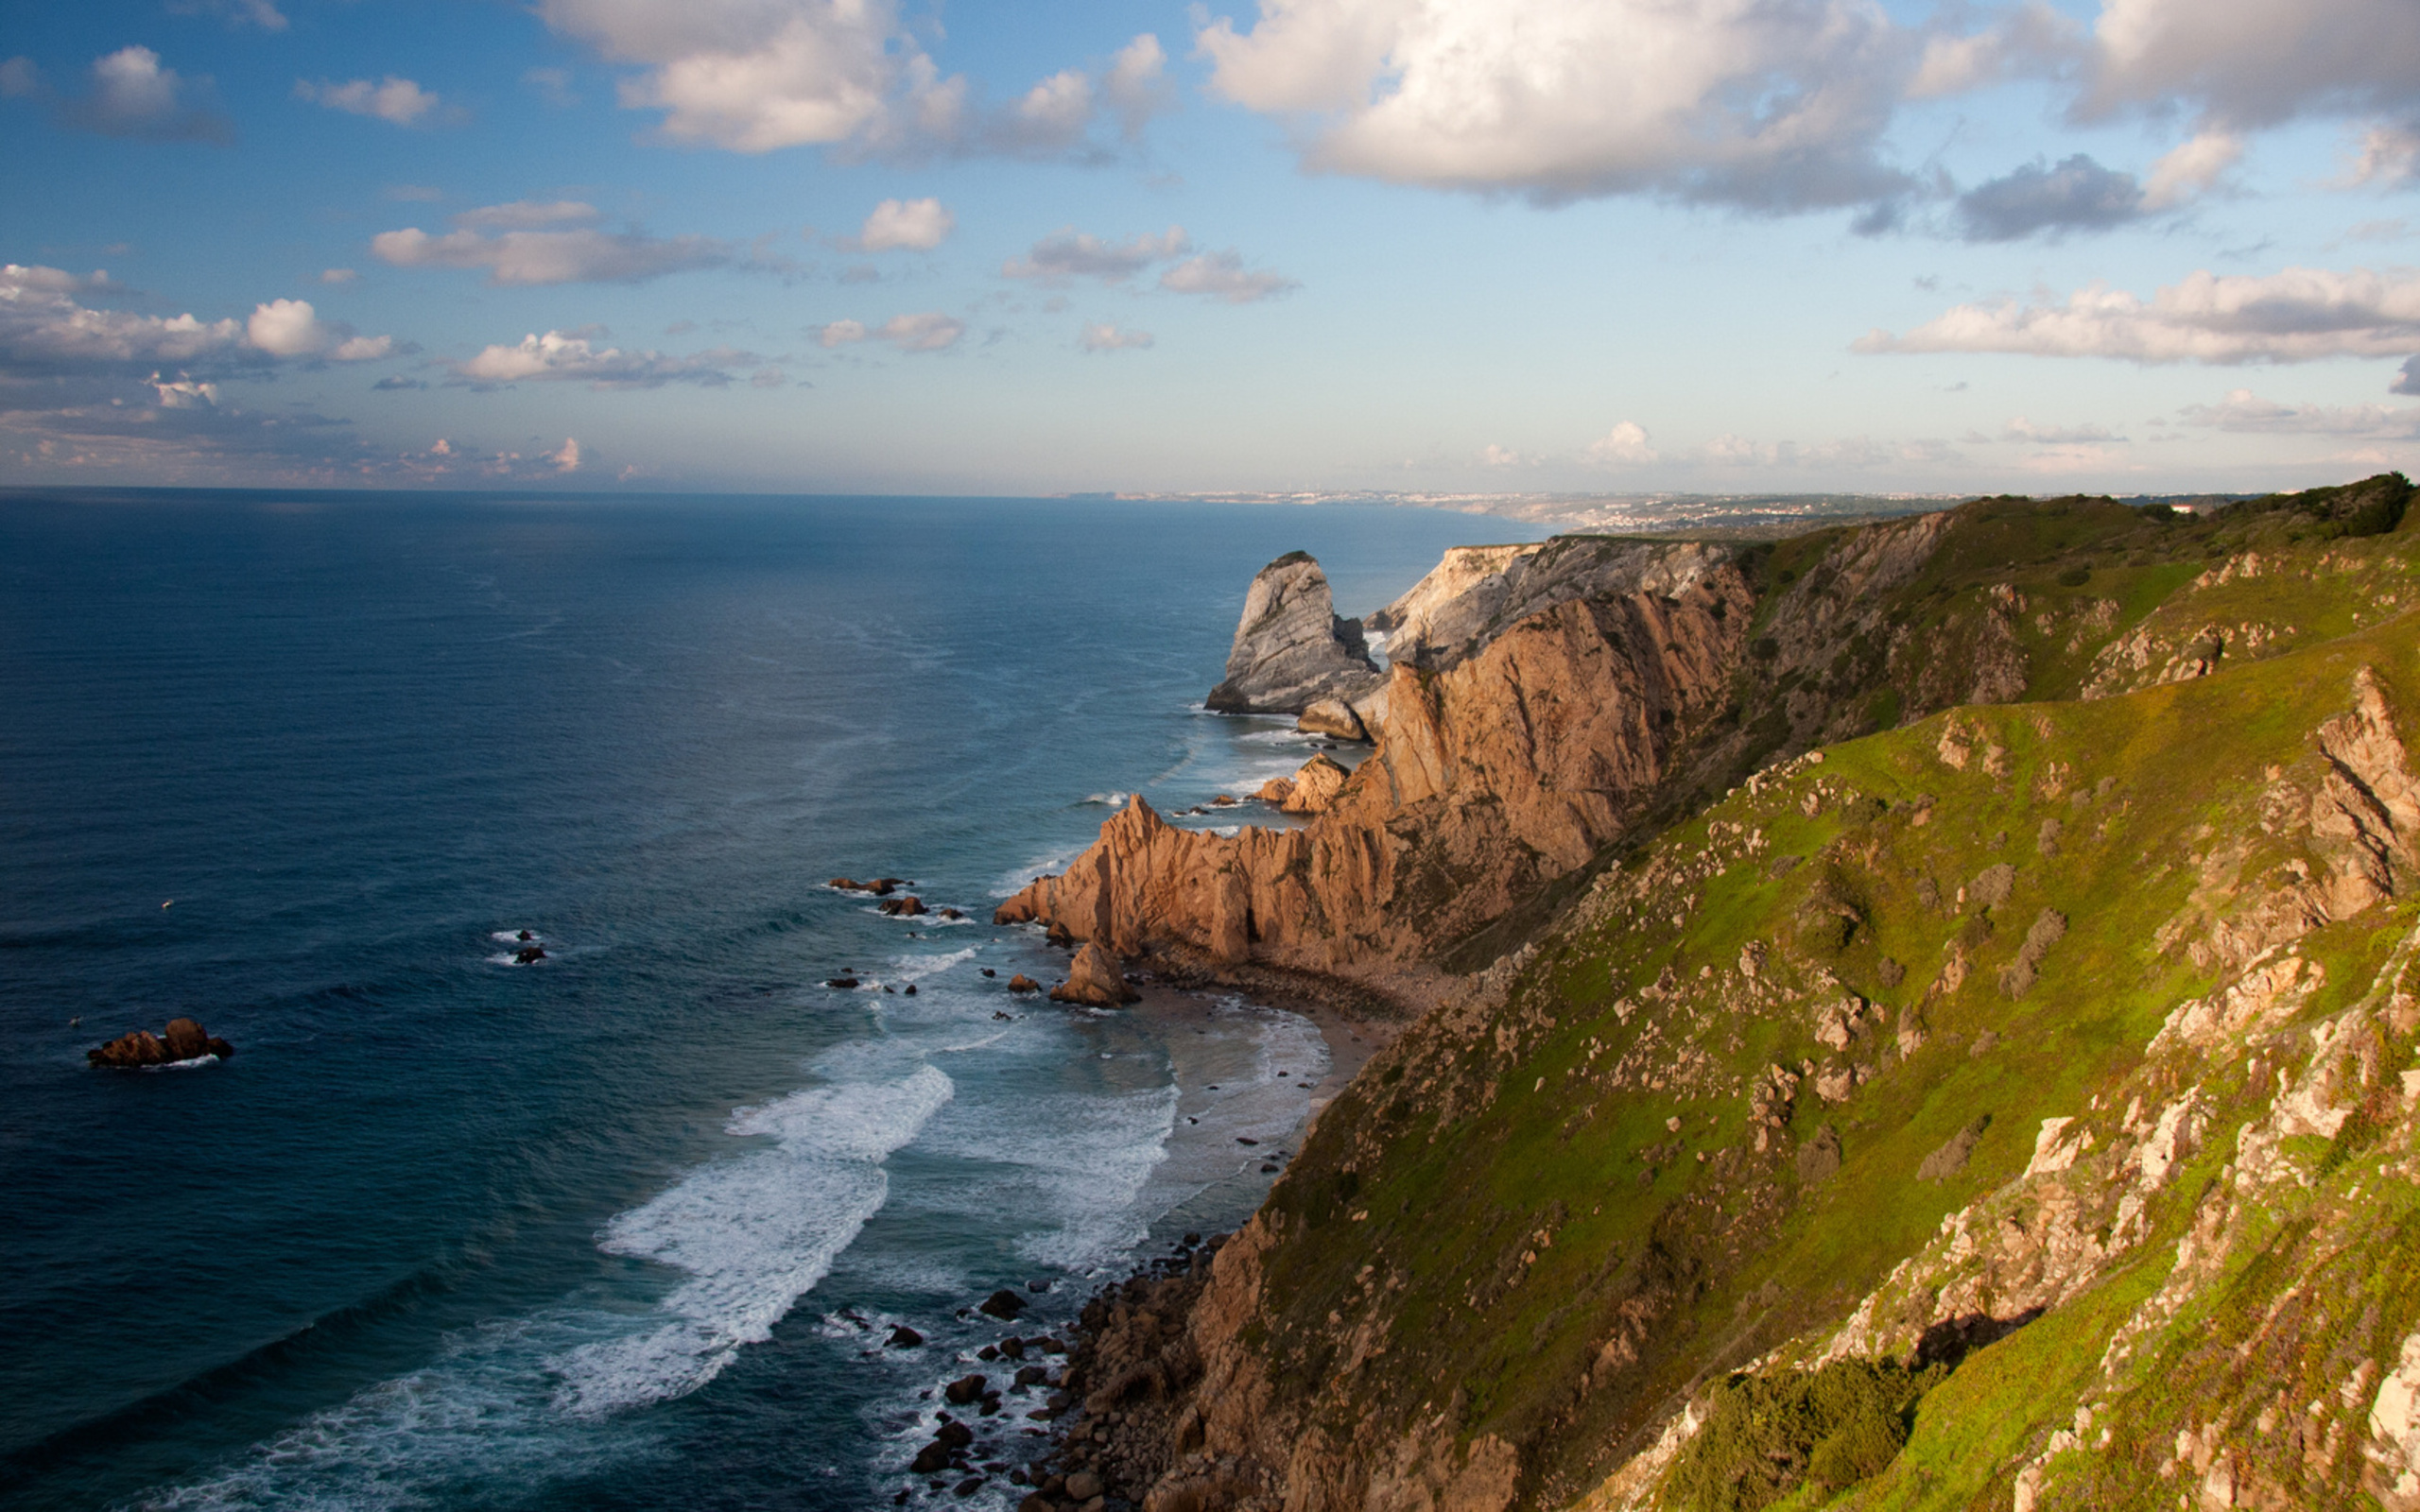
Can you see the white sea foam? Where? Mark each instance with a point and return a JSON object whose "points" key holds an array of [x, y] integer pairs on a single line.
{"points": [[1114, 800], [917, 967], [1070, 1164], [512, 937], [755, 1232]]}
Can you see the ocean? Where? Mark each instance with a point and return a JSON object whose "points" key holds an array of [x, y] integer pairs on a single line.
{"points": [[626, 1227]]}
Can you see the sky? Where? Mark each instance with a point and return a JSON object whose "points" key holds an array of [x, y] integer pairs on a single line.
{"points": [[1401, 246]]}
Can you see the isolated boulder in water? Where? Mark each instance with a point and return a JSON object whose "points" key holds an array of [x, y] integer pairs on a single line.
{"points": [[1093, 980], [185, 1039], [907, 907], [528, 953], [1022, 983], [1003, 1304], [1291, 649]]}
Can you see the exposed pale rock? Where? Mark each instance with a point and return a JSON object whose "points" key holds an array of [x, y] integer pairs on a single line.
{"points": [[1291, 649], [1476, 592]]}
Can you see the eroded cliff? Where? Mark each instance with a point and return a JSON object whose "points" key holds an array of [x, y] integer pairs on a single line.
{"points": [[2014, 1109]]}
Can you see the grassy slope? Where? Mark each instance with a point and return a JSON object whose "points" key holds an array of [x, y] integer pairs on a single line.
{"points": [[1551, 1260]]}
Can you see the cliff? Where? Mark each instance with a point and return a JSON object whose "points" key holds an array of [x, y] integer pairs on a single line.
{"points": [[2010, 1106]]}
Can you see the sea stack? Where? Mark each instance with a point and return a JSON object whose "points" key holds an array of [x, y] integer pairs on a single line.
{"points": [[1093, 980], [1291, 648]]}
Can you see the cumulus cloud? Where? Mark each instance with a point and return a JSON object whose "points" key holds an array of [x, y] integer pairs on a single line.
{"points": [[1222, 276], [2242, 410], [1764, 104], [566, 457], [1626, 443], [2255, 63], [758, 76], [2191, 168], [1136, 84], [928, 331], [2299, 315], [914, 225], [1105, 336], [397, 100], [1068, 253], [47, 330], [134, 96], [529, 257], [563, 356], [2077, 195]]}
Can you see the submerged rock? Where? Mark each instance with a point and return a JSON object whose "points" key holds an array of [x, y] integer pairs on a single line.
{"points": [[1093, 980], [1291, 648]]}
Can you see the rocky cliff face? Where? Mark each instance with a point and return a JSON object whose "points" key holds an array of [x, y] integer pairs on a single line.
{"points": [[1490, 780], [1476, 591], [1291, 647], [2016, 1108]]}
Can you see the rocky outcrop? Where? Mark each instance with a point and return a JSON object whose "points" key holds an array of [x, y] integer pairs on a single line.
{"points": [[1291, 648], [1332, 716], [1477, 592], [1490, 780], [183, 1040], [1093, 981]]}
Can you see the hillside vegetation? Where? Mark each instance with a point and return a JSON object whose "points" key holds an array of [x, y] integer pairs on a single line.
{"points": [[2007, 1103]]}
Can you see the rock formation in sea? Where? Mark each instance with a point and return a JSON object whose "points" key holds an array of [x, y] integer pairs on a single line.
{"points": [[183, 1040], [1291, 648]]}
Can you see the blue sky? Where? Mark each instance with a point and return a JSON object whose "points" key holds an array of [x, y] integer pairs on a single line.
{"points": [[1424, 245]]}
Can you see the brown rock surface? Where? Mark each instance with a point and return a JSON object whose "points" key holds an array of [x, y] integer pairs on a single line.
{"points": [[185, 1040], [1093, 980], [1490, 779]]}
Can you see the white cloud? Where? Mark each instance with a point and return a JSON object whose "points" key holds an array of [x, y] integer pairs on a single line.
{"points": [[526, 214], [566, 457], [562, 356], [1625, 444], [2255, 62], [916, 225], [2021, 429], [259, 13], [2388, 155], [528, 257], [1769, 104], [2191, 168], [1105, 336], [2244, 411], [930, 330], [338, 275], [1136, 84], [2299, 315], [396, 100], [1070, 254], [758, 76], [46, 331], [1222, 275], [1495, 456], [133, 96]]}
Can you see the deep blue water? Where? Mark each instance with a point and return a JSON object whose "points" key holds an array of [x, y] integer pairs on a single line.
{"points": [[623, 1228]]}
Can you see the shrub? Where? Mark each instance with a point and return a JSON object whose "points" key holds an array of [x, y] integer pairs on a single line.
{"points": [[1765, 1435]]}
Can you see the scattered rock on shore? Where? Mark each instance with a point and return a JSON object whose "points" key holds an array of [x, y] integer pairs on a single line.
{"points": [[183, 1040], [1093, 980]]}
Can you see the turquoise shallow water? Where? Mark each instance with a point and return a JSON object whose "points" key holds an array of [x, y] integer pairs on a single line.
{"points": [[623, 1228]]}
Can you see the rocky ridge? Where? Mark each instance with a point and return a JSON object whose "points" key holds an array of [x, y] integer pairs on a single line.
{"points": [[2055, 1056]]}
